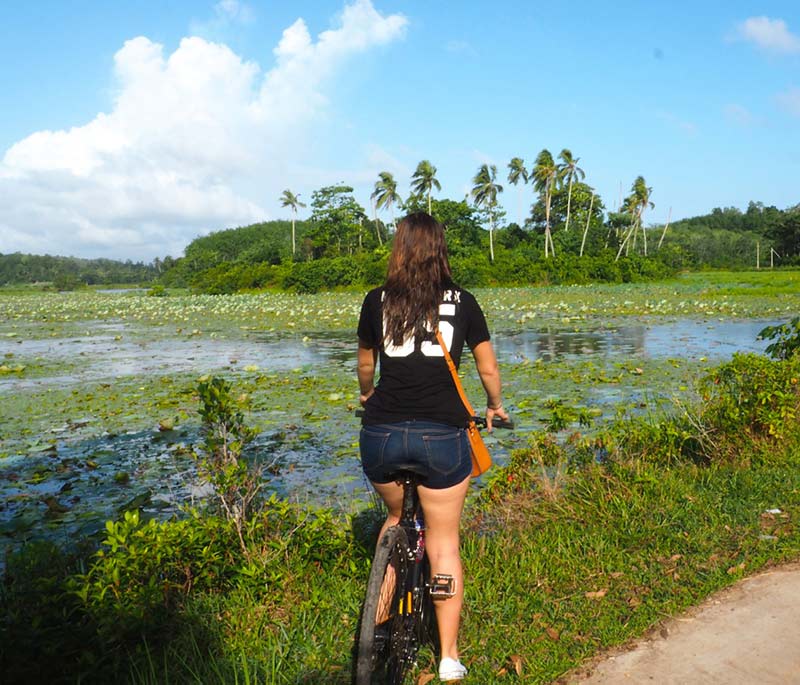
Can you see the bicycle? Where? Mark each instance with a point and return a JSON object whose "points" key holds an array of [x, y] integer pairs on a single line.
{"points": [[398, 616]]}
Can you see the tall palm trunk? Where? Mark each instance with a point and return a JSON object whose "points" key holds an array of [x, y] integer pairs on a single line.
{"points": [[644, 233], [588, 219], [666, 226], [569, 203], [548, 235], [491, 236], [294, 247], [375, 219]]}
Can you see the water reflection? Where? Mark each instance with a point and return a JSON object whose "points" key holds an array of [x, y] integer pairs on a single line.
{"points": [[682, 338]]}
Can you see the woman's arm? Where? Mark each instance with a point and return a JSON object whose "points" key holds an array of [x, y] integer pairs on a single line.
{"points": [[488, 370], [367, 356]]}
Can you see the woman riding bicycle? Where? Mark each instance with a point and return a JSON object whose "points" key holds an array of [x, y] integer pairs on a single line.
{"points": [[414, 418]]}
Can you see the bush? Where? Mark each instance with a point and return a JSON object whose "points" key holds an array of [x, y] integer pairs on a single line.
{"points": [[786, 336], [753, 395]]}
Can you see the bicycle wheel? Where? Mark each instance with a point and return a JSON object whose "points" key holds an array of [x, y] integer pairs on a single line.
{"points": [[427, 627], [387, 632]]}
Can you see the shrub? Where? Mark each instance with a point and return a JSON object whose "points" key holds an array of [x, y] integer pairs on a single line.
{"points": [[753, 395], [788, 339]]}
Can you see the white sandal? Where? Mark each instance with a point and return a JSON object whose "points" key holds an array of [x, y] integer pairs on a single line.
{"points": [[451, 669]]}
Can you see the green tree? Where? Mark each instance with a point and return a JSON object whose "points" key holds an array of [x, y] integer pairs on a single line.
{"points": [[423, 180], [786, 234], [635, 204], [586, 211], [484, 194], [289, 199], [336, 220], [545, 175], [385, 193], [516, 173], [570, 170]]}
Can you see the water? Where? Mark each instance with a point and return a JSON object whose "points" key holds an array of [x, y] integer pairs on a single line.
{"points": [[684, 338], [66, 484]]}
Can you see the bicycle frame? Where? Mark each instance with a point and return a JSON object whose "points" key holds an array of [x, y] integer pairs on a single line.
{"points": [[388, 643]]}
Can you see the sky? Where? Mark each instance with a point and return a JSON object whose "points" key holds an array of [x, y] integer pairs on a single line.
{"points": [[128, 129]]}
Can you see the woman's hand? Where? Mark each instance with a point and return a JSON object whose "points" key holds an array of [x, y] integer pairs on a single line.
{"points": [[365, 396], [499, 412]]}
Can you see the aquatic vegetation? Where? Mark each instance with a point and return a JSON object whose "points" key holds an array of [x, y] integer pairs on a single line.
{"points": [[99, 388], [574, 546]]}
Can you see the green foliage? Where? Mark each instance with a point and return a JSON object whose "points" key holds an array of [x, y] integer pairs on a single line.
{"points": [[337, 220], [753, 396], [236, 482], [327, 274], [786, 236], [157, 290], [68, 273], [727, 237], [788, 338], [344, 249], [616, 530]]}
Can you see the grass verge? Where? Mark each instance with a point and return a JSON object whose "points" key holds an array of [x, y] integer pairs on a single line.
{"points": [[575, 546]]}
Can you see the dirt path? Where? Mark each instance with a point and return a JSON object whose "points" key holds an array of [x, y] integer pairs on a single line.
{"points": [[748, 634]]}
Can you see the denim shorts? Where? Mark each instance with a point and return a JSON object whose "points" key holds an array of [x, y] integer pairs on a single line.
{"points": [[438, 453]]}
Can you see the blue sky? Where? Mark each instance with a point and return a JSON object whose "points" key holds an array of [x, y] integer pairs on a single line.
{"points": [[130, 128]]}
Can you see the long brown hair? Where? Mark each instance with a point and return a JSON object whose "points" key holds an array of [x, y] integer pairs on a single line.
{"points": [[417, 275]]}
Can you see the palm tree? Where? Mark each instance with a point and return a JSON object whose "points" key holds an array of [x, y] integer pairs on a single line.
{"points": [[545, 174], [484, 193], [516, 173], [289, 199], [374, 206], [570, 170], [423, 181], [385, 193], [642, 201], [636, 203]]}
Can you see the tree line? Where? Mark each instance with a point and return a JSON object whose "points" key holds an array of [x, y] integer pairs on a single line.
{"points": [[67, 273], [563, 234]]}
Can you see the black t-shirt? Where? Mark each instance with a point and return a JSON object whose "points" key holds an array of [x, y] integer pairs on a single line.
{"points": [[415, 382]]}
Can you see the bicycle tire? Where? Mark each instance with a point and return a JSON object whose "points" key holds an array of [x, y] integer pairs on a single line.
{"points": [[387, 633], [428, 627]]}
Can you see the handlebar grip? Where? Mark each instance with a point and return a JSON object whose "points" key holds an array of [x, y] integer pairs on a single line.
{"points": [[479, 420], [499, 423]]}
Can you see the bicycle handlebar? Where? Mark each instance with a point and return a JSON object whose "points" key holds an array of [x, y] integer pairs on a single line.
{"points": [[480, 421]]}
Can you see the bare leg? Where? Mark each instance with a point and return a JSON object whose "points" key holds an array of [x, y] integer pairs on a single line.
{"points": [[392, 495], [442, 510]]}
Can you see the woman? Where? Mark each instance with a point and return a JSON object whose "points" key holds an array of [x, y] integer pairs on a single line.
{"points": [[414, 416]]}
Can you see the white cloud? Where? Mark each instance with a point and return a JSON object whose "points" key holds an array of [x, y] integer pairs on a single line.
{"points": [[228, 16], [739, 115], [769, 34], [461, 47], [790, 100], [187, 134], [676, 122]]}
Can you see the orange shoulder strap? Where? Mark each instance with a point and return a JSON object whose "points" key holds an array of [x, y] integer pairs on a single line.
{"points": [[451, 365]]}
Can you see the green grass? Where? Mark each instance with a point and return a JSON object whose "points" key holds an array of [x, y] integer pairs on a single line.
{"points": [[550, 580], [648, 542], [556, 570]]}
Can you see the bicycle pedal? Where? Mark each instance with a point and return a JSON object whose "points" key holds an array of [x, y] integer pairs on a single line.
{"points": [[442, 586]]}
